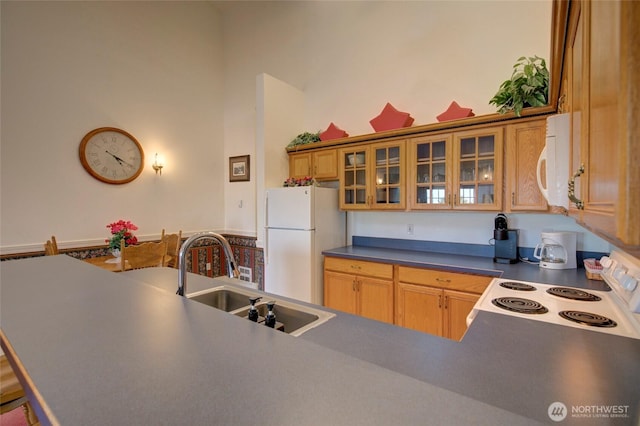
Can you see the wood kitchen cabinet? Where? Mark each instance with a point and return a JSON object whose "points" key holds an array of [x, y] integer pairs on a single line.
{"points": [[359, 288], [468, 167], [477, 169], [437, 302], [524, 143], [429, 176], [601, 60], [372, 177], [321, 165], [461, 171]]}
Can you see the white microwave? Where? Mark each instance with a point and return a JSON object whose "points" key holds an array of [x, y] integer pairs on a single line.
{"points": [[555, 159]]}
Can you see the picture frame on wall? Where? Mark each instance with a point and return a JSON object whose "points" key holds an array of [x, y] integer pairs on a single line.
{"points": [[239, 168]]}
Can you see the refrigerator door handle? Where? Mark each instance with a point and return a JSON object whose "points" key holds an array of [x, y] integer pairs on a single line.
{"points": [[266, 209], [266, 246], [266, 228]]}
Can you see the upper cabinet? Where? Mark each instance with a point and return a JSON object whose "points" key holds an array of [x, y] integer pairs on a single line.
{"points": [[460, 170], [524, 143], [603, 54], [429, 164], [372, 177], [477, 169], [321, 165]]}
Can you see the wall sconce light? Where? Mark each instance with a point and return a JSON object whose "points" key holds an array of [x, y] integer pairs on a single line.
{"points": [[158, 165]]}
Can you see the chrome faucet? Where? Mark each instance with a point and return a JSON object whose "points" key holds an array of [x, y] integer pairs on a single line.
{"points": [[182, 258]]}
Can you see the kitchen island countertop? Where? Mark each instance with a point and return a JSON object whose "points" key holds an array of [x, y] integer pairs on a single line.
{"points": [[110, 348]]}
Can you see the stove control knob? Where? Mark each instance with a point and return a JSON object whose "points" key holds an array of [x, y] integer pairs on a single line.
{"points": [[606, 261], [619, 272], [628, 282]]}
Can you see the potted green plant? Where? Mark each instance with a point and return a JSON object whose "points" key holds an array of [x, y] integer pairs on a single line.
{"points": [[304, 138], [527, 87]]}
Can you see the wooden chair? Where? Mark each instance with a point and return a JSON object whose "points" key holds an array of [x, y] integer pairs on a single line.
{"points": [[51, 247], [173, 247], [145, 255], [12, 395]]}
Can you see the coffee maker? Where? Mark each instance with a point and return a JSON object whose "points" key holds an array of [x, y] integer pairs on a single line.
{"points": [[557, 250], [505, 241]]}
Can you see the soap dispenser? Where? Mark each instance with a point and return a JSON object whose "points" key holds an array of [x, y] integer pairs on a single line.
{"points": [[253, 312], [270, 319]]}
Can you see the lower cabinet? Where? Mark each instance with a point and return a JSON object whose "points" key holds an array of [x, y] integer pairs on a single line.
{"points": [[427, 300], [437, 302], [360, 288], [433, 310]]}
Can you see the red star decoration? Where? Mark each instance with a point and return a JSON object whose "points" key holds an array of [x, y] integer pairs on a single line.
{"points": [[455, 111], [390, 118], [333, 132]]}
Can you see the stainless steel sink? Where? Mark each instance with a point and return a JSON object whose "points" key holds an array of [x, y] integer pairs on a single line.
{"points": [[224, 299], [295, 317]]}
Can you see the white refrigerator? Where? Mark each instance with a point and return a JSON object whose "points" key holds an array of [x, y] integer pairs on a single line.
{"points": [[301, 222]]}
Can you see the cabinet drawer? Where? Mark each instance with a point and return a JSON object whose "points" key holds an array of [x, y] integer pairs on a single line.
{"points": [[359, 267], [442, 279]]}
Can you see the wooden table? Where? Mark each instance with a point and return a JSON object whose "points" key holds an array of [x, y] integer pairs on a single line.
{"points": [[102, 263]]}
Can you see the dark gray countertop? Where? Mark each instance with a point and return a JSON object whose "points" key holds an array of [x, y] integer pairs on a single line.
{"points": [[107, 349], [470, 264]]}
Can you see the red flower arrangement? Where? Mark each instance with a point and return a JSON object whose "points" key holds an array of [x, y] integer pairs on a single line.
{"points": [[119, 230], [305, 181]]}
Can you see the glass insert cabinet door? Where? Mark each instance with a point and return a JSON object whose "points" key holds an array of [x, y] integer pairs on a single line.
{"points": [[429, 160], [372, 176], [353, 185], [478, 170], [388, 176]]}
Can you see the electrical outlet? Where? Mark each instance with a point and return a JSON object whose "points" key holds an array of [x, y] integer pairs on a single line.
{"points": [[208, 266], [410, 229], [246, 274]]}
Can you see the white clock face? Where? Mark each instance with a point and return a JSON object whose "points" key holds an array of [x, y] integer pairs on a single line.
{"points": [[111, 155]]}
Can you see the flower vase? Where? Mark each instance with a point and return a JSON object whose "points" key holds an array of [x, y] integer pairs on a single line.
{"points": [[115, 252]]}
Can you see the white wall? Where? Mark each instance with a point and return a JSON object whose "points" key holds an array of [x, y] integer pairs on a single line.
{"points": [[153, 69], [279, 112], [181, 77], [350, 58], [465, 227]]}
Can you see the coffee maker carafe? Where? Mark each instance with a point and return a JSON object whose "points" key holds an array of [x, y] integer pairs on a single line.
{"points": [[557, 250], [505, 241]]}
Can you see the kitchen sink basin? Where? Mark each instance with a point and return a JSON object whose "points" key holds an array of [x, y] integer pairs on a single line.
{"points": [[296, 318], [224, 299], [292, 319]]}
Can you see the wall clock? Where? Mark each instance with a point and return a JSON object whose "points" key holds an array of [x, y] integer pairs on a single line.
{"points": [[111, 155]]}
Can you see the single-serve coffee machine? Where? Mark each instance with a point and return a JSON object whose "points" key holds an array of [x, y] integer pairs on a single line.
{"points": [[505, 241]]}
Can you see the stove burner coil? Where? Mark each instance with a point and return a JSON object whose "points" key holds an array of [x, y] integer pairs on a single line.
{"points": [[573, 294], [523, 306], [587, 318], [511, 285]]}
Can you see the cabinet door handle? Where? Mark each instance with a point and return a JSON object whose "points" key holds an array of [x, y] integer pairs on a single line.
{"points": [[353, 285], [440, 302], [443, 280], [572, 188], [446, 302], [513, 199]]}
